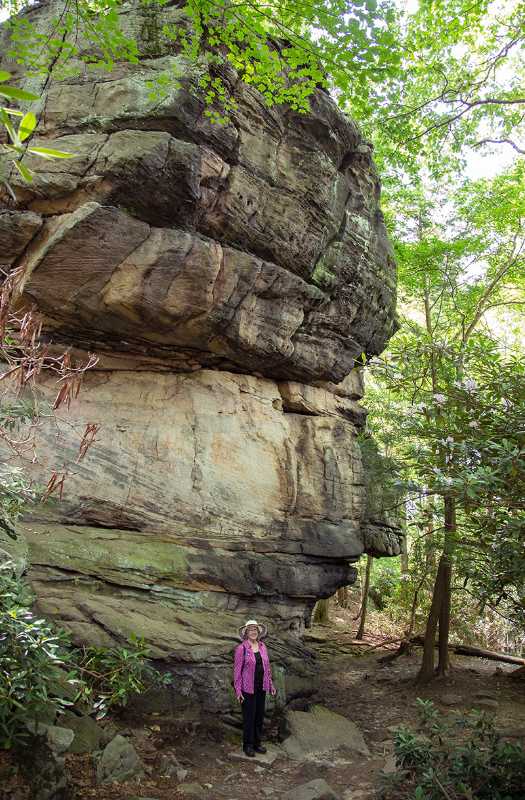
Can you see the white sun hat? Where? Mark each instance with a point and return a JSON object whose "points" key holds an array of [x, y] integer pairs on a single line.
{"points": [[263, 630]]}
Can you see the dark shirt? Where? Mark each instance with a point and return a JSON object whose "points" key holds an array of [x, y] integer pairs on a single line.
{"points": [[259, 673]]}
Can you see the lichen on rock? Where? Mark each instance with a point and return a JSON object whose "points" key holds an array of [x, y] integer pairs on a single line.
{"points": [[228, 277]]}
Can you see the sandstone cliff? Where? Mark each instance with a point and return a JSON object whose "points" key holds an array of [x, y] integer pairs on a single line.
{"points": [[228, 276]]}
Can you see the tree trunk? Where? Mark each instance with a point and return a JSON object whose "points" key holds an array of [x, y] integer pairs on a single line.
{"points": [[444, 614], [321, 612], [404, 543], [404, 557], [342, 596], [426, 672], [518, 674], [366, 589], [440, 609], [490, 655]]}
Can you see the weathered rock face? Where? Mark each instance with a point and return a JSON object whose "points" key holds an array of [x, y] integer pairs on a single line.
{"points": [[227, 277]]}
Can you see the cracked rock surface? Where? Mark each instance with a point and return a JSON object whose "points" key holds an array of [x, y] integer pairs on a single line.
{"points": [[228, 277]]}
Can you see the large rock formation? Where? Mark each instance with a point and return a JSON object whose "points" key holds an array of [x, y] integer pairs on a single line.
{"points": [[228, 277]]}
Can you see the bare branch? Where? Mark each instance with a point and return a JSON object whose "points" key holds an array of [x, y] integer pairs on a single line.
{"points": [[500, 141]]}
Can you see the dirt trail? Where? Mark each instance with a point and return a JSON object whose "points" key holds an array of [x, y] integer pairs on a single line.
{"points": [[376, 697]]}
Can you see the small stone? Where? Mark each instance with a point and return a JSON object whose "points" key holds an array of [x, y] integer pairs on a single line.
{"points": [[272, 753], [193, 790], [390, 765], [486, 704], [318, 789], [119, 762], [57, 738], [450, 699], [88, 736], [169, 767], [109, 731]]}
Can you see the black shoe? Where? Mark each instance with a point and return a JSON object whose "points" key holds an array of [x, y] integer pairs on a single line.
{"points": [[260, 749], [249, 751]]}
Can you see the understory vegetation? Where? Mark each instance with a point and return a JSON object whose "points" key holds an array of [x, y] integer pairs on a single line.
{"points": [[455, 757], [42, 673]]}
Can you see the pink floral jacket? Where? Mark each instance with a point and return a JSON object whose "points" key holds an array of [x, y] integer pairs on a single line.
{"points": [[244, 669]]}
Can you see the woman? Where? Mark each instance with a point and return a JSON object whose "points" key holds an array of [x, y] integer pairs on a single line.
{"points": [[252, 678]]}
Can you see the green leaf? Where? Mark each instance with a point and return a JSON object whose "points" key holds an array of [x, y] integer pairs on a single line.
{"points": [[4, 76], [27, 126], [16, 94], [48, 152], [4, 118], [24, 171], [13, 111]]}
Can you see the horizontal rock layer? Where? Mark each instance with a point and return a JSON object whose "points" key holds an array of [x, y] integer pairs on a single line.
{"points": [[228, 277], [279, 209]]}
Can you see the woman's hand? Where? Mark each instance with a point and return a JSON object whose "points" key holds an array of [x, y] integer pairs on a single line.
{"points": [[240, 698], [273, 691]]}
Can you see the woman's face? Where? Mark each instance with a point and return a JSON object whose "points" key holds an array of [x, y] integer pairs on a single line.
{"points": [[252, 633]]}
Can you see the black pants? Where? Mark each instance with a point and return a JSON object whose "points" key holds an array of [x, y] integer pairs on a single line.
{"points": [[253, 718]]}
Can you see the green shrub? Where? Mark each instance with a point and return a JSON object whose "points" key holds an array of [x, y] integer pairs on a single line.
{"points": [[111, 676], [384, 582], [41, 673], [455, 757], [31, 654]]}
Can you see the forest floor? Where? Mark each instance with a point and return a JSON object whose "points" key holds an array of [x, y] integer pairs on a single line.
{"points": [[377, 697]]}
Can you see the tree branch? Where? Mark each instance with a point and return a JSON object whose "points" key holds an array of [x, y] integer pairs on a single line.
{"points": [[500, 141]]}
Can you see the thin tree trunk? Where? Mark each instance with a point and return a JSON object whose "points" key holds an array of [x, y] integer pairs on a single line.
{"points": [[404, 557], [342, 596], [321, 611], [426, 672], [490, 655], [404, 540], [366, 589], [440, 608], [444, 615], [413, 609]]}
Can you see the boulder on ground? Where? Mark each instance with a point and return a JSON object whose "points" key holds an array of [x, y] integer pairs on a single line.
{"points": [[318, 789], [57, 738], [319, 731], [451, 699], [193, 790], [170, 767], [45, 770], [486, 703], [88, 736], [119, 762]]}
